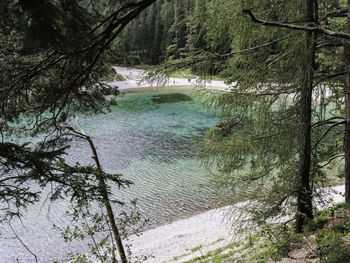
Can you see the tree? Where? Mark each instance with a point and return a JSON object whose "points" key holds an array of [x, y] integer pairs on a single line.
{"points": [[304, 192], [51, 64], [304, 68], [259, 110], [342, 40], [347, 109]]}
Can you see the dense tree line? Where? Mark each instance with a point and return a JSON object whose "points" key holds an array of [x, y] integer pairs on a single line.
{"points": [[168, 29]]}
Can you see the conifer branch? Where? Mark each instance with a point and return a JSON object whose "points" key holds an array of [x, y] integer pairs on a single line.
{"points": [[315, 29], [326, 132], [332, 158], [172, 65], [337, 13], [337, 42], [327, 121]]}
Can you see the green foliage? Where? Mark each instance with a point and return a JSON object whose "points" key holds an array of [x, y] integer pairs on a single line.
{"points": [[275, 242], [331, 244], [51, 63], [254, 150], [167, 30], [95, 229]]}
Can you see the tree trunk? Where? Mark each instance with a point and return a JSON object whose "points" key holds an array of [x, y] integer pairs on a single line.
{"points": [[347, 113], [304, 192], [104, 193], [107, 203]]}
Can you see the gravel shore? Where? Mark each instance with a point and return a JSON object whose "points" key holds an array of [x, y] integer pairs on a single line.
{"points": [[177, 242]]}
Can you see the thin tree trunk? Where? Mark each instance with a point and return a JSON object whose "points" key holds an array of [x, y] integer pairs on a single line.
{"points": [[304, 192], [347, 113], [104, 193], [107, 203]]}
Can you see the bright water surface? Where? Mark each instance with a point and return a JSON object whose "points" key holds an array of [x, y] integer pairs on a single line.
{"points": [[151, 138]]}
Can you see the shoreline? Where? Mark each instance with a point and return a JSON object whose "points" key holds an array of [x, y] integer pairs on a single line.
{"points": [[134, 81], [197, 235]]}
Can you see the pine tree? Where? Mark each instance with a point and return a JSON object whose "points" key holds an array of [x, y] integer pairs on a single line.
{"points": [[261, 122]]}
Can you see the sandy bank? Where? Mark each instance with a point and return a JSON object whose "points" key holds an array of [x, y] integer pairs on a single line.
{"points": [[210, 230]]}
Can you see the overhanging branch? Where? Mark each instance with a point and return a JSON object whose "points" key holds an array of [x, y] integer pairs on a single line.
{"points": [[326, 132], [315, 29], [332, 158]]}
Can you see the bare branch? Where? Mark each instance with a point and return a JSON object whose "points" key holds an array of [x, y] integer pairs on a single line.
{"points": [[324, 76], [78, 123]]}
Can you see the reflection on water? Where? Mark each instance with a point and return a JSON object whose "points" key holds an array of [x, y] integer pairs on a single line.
{"points": [[150, 137]]}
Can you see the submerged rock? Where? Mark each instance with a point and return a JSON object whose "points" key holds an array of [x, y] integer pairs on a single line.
{"points": [[171, 98]]}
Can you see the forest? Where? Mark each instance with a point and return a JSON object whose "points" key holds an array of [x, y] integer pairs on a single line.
{"points": [[279, 141]]}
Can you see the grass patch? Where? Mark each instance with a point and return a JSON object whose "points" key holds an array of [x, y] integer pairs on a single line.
{"points": [[218, 255], [197, 248], [333, 240], [326, 237], [333, 244]]}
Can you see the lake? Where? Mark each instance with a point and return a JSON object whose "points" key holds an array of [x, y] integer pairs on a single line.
{"points": [[151, 138]]}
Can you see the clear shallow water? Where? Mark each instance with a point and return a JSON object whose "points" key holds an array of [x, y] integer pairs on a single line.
{"points": [[150, 137]]}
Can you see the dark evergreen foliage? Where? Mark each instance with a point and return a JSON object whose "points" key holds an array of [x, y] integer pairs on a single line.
{"points": [[168, 29], [52, 58]]}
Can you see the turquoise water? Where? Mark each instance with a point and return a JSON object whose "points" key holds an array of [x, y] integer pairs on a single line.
{"points": [[150, 137]]}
